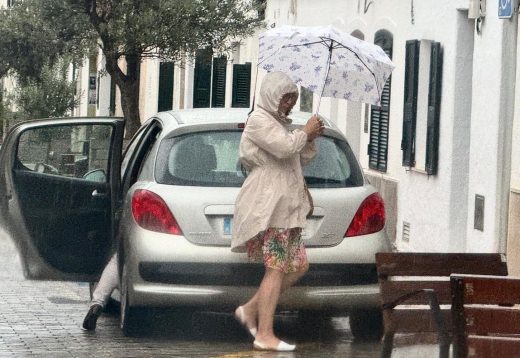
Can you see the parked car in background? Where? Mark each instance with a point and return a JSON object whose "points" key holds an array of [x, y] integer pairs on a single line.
{"points": [[167, 205]]}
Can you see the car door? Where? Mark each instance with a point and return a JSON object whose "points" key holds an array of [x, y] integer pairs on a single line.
{"points": [[59, 191]]}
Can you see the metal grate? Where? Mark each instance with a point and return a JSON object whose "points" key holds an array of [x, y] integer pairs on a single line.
{"points": [[406, 231]]}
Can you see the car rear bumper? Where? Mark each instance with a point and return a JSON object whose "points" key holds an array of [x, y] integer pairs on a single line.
{"points": [[339, 298], [167, 270]]}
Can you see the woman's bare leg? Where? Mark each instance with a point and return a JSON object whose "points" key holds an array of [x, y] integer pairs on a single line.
{"points": [[267, 300], [251, 307]]}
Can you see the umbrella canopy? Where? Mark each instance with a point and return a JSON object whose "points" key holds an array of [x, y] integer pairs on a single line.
{"points": [[327, 61]]}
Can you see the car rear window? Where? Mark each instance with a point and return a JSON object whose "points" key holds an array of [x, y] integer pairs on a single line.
{"points": [[212, 159]]}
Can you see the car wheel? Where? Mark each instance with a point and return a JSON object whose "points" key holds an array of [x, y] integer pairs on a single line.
{"points": [[366, 324], [130, 316]]}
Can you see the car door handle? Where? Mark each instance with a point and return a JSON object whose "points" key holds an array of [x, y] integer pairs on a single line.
{"points": [[97, 194]]}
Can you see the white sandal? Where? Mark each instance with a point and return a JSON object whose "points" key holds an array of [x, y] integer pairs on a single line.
{"points": [[240, 316], [281, 347]]}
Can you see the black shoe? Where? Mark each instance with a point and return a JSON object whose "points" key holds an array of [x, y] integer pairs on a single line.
{"points": [[89, 323]]}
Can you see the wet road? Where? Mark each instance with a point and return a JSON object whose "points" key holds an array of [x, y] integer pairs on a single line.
{"points": [[43, 319]]}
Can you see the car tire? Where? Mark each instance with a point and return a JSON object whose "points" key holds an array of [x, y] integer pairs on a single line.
{"points": [[131, 317], [366, 324]]}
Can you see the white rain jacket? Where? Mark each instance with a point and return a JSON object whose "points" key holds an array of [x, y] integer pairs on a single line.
{"points": [[273, 193]]}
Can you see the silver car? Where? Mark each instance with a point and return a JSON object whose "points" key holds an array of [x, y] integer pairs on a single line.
{"points": [[166, 205]]}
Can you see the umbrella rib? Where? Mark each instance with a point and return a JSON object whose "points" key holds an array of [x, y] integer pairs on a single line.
{"points": [[364, 64], [307, 44]]}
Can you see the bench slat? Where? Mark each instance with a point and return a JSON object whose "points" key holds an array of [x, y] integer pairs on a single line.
{"points": [[439, 264], [418, 320], [490, 289], [391, 290], [492, 319], [486, 347]]}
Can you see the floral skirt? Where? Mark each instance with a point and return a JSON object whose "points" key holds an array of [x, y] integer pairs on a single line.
{"points": [[279, 249]]}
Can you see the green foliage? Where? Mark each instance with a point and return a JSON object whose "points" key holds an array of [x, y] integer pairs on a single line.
{"points": [[35, 35], [38, 33], [50, 96]]}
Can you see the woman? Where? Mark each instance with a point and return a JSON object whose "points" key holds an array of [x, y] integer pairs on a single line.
{"points": [[273, 203]]}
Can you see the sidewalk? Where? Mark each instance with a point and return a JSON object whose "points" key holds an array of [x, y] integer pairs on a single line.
{"points": [[43, 318]]}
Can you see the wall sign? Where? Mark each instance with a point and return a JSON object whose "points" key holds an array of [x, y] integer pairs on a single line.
{"points": [[505, 9]]}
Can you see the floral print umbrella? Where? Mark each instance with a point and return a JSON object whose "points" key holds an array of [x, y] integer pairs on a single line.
{"points": [[327, 61]]}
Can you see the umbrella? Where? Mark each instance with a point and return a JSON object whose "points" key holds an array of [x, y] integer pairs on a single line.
{"points": [[326, 61]]}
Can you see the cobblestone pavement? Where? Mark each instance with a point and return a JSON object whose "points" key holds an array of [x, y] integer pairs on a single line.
{"points": [[43, 318]]}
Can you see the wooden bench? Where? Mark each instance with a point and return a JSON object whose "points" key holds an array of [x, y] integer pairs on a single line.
{"points": [[414, 286], [485, 323]]}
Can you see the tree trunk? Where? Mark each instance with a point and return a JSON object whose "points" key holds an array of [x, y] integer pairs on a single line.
{"points": [[128, 84], [130, 105]]}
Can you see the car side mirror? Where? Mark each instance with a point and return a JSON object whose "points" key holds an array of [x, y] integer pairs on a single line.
{"points": [[97, 175]]}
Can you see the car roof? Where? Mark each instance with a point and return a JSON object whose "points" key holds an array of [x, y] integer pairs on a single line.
{"points": [[225, 115]]}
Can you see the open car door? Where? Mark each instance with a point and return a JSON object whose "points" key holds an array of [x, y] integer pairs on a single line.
{"points": [[59, 191]]}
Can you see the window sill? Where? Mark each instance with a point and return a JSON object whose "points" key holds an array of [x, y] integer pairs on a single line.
{"points": [[379, 174], [416, 170]]}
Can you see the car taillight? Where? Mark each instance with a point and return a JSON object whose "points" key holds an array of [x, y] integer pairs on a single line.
{"points": [[151, 213], [369, 218]]}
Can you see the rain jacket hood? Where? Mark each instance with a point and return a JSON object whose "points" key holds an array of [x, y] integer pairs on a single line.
{"points": [[274, 86]]}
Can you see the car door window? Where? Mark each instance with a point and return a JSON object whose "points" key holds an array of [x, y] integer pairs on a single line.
{"points": [[136, 153], [130, 149], [80, 151]]}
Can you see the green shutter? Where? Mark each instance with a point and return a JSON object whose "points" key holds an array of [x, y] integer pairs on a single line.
{"points": [[112, 105], [434, 104], [410, 102], [165, 98], [218, 92], [241, 85], [202, 79], [380, 116]]}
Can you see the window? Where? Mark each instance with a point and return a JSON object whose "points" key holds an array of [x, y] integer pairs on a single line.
{"points": [[261, 8], [212, 159], [380, 116], [218, 88], [241, 85], [69, 151], [210, 80], [165, 98], [202, 78], [423, 77]]}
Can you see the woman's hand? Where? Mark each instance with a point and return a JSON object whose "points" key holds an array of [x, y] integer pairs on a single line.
{"points": [[314, 127]]}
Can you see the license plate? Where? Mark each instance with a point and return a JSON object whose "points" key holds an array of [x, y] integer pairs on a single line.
{"points": [[227, 225]]}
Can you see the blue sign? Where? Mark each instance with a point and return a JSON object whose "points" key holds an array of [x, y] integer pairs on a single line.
{"points": [[505, 9]]}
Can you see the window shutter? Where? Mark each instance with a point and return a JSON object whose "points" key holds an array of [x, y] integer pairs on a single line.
{"points": [[410, 102], [202, 79], [380, 116], [112, 105], [241, 85], [218, 92], [434, 104], [165, 98]]}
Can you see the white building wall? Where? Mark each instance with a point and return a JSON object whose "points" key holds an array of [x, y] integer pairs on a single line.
{"points": [[491, 127], [82, 91], [149, 90], [103, 108]]}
